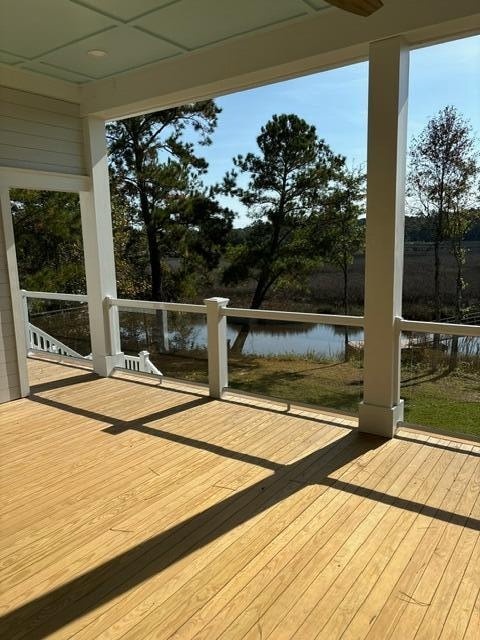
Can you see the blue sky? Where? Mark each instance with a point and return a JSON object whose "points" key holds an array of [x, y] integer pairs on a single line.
{"points": [[336, 103]]}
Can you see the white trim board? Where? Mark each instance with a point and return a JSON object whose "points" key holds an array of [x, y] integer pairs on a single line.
{"points": [[32, 82], [45, 180]]}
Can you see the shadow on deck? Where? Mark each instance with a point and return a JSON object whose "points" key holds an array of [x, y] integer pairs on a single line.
{"points": [[308, 488]]}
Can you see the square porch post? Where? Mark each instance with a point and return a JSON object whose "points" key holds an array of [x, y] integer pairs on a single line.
{"points": [[217, 346], [13, 351], [382, 407], [98, 250]]}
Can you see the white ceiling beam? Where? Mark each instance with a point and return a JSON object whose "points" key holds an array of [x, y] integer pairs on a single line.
{"points": [[324, 41], [24, 80], [13, 178]]}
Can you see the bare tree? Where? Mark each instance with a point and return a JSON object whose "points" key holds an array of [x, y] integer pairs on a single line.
{"points": [[442, 171], [441, 187]]}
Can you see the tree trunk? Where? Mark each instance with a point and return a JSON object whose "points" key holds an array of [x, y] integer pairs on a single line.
{"points": [[436, 297], [265, 281], [257, 300], [155, 265], [436, 283], [239, 342], [346, 306], [259, 294], [159, 332], [453, 362]]}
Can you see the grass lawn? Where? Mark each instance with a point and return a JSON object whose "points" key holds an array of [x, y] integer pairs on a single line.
{"points": [[442, 400], [449, 401]]}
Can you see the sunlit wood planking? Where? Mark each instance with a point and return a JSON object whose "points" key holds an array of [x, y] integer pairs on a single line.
{"points": [[308, 529]]}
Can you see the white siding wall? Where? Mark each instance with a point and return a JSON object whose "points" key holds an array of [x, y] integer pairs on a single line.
{"points": [[39, 136], [40, 133], [9, 374]]}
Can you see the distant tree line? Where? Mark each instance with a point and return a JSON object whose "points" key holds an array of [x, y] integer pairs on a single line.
{"points": [[419, 229]]}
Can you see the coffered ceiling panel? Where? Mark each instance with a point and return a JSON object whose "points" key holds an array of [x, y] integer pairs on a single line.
{"points": [[29, 29], [124, 9], [190, 23], [55, 72], [142, 48], [317, 4]]}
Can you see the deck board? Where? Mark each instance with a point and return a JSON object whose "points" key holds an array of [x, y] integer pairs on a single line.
{"points": [[137, 510]]}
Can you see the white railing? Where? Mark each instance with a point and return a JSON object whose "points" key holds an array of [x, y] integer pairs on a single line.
{"points": [[44, 295], [149, 304], [294, 316], [39, 340], [217, 312], [141, 364], [443, 328]]}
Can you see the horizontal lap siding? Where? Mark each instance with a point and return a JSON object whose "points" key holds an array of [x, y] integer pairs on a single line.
{"points": [[9, 378], [40, 133]]}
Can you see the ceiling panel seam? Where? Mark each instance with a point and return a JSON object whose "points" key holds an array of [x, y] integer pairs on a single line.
{"points": [[106, 14]]}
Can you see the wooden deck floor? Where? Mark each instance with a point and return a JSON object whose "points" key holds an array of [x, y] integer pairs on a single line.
{"points": [[133, 510]]}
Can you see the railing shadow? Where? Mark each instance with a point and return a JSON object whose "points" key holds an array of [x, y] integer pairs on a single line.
{"points": [[437, 445], [49, 612], [120, 426], [246, 400], [62, 382]]}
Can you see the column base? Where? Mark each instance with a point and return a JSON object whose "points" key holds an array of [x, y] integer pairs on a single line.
{"points": [[380, 421], [104, 365]]}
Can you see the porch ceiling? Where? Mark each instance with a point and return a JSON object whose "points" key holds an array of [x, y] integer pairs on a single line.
{"points": [[161, 53], [53, 38]]}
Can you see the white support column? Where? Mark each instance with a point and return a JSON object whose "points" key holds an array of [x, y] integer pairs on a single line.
{"points": [[382, 407], [99, 256], [13, 348], [217, 346]]}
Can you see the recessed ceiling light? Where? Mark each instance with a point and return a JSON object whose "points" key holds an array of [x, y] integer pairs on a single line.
{"points": [[97, 53]]}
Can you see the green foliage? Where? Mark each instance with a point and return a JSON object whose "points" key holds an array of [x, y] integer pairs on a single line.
{"points": [[288, 179], [158, 173], [342, 227], [48, 240], [131, 257]]}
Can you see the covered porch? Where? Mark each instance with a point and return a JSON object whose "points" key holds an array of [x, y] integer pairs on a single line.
{"points": [[54, 139], [142, 507]]}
